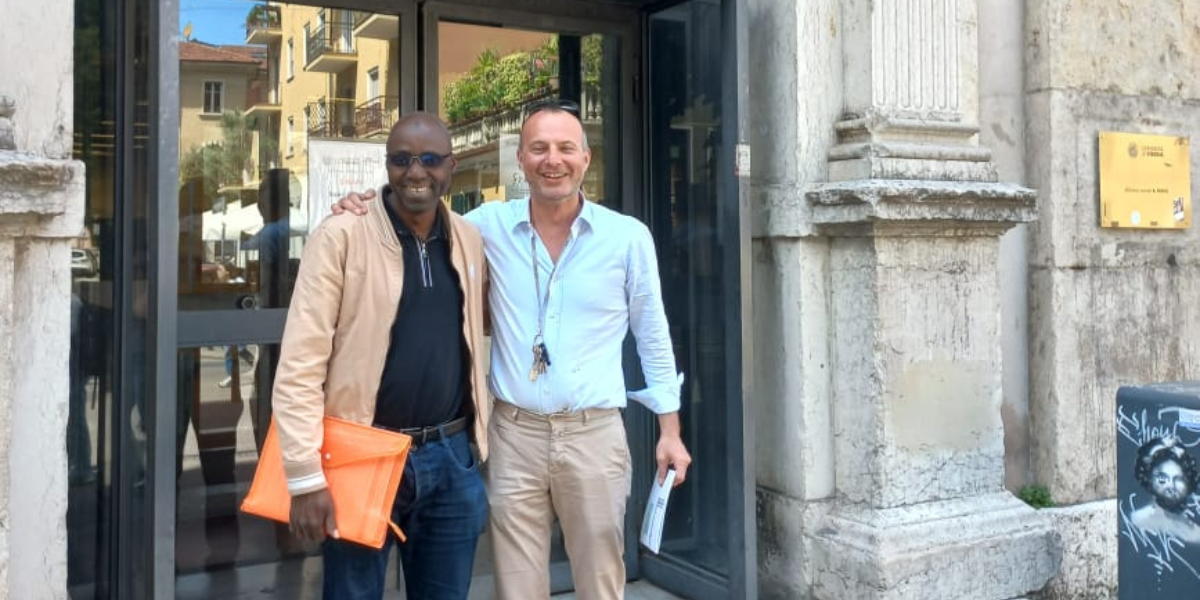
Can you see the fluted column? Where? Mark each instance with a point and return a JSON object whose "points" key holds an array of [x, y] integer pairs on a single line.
{"points": [[911, 93]]}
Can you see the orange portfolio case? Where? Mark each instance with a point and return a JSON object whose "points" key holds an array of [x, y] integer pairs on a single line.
{"points": [[362, 465]]}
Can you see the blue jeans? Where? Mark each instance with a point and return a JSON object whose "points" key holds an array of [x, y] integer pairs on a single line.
{"points": [[442, 508]]}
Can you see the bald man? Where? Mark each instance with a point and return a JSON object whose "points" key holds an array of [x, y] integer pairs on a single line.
{"points": [[385, 321]]}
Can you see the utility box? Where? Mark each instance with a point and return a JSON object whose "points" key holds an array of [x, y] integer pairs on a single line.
{"points": [[1158, 479]]}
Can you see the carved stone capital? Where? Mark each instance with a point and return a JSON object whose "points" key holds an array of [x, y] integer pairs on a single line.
{"points": [[945, 203], [40, 197]]}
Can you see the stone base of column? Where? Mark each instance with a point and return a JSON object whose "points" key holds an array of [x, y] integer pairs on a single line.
{"points": [[992, 547], [1089, 567]]}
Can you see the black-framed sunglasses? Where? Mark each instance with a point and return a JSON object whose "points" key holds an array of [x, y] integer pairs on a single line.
{"points": [[429, 160], [553, 104]]}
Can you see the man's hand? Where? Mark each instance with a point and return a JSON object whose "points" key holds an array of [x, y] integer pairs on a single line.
{"points": [[355, 203], [670, 452], [312, 516]]}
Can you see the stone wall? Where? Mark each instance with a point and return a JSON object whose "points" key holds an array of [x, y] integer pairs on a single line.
{"points": [[41, 208], [1108, 307], [794, 99]]}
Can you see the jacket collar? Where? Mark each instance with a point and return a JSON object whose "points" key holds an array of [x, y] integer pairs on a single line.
{"points": [[378, 213]]}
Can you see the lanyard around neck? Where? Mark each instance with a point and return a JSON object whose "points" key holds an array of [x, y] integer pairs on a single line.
{"points": [[543, 299]]}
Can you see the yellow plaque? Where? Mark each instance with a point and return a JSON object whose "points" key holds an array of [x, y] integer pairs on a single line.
{"points": [[1145, 181]]}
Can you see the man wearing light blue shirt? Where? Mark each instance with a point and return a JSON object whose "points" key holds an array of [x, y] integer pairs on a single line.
{"points": [[569, 279]]}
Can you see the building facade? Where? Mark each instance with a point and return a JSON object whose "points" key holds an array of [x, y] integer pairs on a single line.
{"points": [[890, 278]]}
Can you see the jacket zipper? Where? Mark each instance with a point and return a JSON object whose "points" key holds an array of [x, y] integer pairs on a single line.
{"points": [[426, 275]]}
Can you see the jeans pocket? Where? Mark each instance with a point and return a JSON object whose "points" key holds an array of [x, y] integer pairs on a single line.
{"points": [[463, 456]]}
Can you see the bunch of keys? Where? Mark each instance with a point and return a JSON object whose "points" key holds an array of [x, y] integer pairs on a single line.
{"points": [[541, 360]]}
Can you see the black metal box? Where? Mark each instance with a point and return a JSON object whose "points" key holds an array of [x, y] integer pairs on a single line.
{"points": [[1158, 479]]}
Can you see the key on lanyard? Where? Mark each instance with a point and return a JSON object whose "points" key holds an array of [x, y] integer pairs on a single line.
{"points": [[541, 360]]}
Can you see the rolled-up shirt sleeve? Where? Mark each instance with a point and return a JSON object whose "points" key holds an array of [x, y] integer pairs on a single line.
{"points": [[648, 321]]}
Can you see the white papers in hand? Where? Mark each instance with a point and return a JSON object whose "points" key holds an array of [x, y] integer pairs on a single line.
{"points": [[656, 511]]}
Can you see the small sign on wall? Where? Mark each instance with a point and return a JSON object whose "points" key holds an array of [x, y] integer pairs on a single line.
{"points": [[1145, 181]]}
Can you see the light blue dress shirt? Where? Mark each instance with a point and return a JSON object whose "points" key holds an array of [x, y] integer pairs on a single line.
{"points": [[606, 283]]}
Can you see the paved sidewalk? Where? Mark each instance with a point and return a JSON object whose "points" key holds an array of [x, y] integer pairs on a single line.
{"points": [[638, 590]]}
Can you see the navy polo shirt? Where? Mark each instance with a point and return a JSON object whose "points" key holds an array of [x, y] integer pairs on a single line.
{"points": [[424, 378]]}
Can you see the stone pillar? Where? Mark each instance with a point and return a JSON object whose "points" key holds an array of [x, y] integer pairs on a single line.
{"points": [[914, 214], [41, 208]]}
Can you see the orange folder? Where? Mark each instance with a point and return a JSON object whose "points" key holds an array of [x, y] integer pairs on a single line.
{"points": [[362, 465]]}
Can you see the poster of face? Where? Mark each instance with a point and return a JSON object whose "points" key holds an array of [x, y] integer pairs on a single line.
{"points": [[1158, 482]]}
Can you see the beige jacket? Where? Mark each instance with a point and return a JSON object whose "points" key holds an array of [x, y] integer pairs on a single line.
{"points": [[339, 328]]}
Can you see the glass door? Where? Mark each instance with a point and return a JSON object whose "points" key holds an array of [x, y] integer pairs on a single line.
{"points": [[481, 80], [697, 214], [269, 136]]}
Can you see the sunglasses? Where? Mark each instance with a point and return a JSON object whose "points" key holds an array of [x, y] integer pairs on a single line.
{"points": [[553, 104], [429, 160]]}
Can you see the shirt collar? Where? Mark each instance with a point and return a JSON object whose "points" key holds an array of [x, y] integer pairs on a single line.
{"points": [[519, 215], [402, 229]]}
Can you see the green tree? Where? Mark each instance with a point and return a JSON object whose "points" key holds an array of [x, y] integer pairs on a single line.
{"points": [[222, 163]]}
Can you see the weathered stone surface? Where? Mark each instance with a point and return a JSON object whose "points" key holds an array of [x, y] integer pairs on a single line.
{"points": [[40, 197], [879, 146], [984, 547], [783, 555], [918, 59], [1002, 130], [1089, 542], [37, 73], [1131, 47], [795, 46], [962, 203], [8, 348], [793, 432], [916, 399], [1063, 166], [32, 184], [1092, 331], [41, 207], [37, 506]]}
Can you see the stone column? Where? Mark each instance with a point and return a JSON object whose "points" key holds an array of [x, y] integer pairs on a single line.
{"points": [[41, 209], [914, 213]]}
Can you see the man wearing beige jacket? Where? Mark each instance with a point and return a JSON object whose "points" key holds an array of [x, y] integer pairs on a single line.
{"points": [[384, 325]]}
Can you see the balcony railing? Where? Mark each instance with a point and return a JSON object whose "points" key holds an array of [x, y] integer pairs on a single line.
{"points": [[376, 116], [330, 37], [262, 18], [480, 131], [331, 117]]}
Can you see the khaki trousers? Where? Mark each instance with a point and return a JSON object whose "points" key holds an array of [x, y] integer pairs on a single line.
{"points": [[575, 466]]}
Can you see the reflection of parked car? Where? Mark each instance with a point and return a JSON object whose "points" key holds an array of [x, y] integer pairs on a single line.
{"points": [[83, 263]]}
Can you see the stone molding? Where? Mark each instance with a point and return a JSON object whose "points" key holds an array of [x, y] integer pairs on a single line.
{"points": [[966, 204], [991, 546], [886, 145], [40, 197]]}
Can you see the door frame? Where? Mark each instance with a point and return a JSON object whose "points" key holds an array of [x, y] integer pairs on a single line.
{"points": [[173, 329], [733, 186]]}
